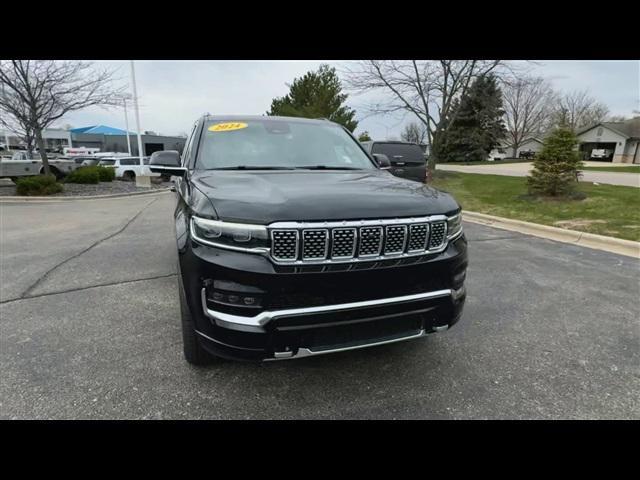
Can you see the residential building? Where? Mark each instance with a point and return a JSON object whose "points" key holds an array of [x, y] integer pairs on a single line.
{"points": [[619, 140]]}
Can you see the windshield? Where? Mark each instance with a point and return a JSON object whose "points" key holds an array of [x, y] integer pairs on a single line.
{"points": [[278, 144]]}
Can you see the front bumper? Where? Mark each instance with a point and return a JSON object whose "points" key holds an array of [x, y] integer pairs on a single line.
{"points": [[321, 312]]}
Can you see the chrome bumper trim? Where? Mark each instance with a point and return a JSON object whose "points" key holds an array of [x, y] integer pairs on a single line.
{"points": [[305, 352], [257, 323]]}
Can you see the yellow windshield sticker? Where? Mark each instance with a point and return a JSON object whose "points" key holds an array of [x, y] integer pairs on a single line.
{"points": [[227, 127]]}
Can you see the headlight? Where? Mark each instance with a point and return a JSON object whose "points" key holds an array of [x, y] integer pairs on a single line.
{"points": [[232, 236], [454, 226]]}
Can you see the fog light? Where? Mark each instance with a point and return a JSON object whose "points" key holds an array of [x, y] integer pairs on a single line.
{"points": [[459, 277], [249, 301], [217, 296], [457, 294], [233, 298]]}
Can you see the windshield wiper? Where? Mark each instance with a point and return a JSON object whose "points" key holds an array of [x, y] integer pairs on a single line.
{"points": [[251, 167], [325, 167]]}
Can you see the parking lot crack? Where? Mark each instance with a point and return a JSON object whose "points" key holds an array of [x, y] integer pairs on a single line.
{"points": [[26, 293], [78, 289]]}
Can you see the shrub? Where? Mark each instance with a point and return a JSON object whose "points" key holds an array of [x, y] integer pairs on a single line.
{"points": [[38, 185], [105, 174], [556, 167], [83, 175]]}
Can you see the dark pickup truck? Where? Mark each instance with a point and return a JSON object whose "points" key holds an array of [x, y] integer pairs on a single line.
{"points": [[294, 241], [407, 159]]}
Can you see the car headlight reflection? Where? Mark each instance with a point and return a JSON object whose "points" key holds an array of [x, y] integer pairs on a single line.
{"points": [[232, 236], [454, 226]]}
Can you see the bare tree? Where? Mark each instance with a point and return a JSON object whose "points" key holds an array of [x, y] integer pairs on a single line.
{"points": [[425, 88], [414, 132], [528, 105], [18, 127], [36, 93], [578, 109]]}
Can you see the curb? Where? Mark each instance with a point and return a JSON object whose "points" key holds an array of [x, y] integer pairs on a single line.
{"points": [[14, 199], [583, 239]]}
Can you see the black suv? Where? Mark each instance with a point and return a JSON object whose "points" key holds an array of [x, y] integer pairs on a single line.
{"points": [[294, 241], [407, 159]]}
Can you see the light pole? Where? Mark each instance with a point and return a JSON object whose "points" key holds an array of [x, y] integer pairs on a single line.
{"points": [[135, 107], [126, 123]]}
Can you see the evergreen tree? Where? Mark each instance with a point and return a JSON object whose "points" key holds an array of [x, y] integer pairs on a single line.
{"points": [[316, 95], [475, 126], [556, 167]]}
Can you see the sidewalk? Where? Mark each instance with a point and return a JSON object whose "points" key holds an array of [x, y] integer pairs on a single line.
{"points": [[522, 170]]}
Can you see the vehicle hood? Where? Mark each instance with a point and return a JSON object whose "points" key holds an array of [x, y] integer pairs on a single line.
{"points": [[265, 197]]}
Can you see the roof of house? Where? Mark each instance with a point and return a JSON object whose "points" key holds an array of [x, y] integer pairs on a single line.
{"points": [[101, 130], [629, 128]]}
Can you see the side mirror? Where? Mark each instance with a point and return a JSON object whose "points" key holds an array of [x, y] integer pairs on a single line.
{"points": [[167, 162], [382, 160]]}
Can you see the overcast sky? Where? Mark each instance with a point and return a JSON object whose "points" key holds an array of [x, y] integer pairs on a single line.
{"points": [[174, 93]]}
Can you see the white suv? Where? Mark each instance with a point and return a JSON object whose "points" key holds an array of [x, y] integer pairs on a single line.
{"points": [[128, 168]]}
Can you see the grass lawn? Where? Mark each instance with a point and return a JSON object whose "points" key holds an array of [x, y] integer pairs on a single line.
{"points": [[608, 209], [629, 169]]}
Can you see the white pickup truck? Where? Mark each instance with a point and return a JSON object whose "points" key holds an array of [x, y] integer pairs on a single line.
{"points": [[21, 165]]}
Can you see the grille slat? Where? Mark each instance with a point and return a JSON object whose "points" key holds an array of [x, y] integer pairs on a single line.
{"points": [[370, 241], [418, 237], [438, 234], [315, 244], [285, 244], [395, 239], [353, 241], [344, 243]]}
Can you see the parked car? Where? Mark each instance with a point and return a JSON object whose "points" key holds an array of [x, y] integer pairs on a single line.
{"points": [[127, 168], [601, 154], [497, 154], [90, 161], [407, 159], [85, 161], [21, 164], [526, 154], [293, 241]]}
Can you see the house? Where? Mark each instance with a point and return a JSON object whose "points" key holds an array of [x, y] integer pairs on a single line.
{"points": [[533, 144], [505, 150], [616, 142]]}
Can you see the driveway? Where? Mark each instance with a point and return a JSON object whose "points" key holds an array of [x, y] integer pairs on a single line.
{"points": [[89, 329], [522, 170]]}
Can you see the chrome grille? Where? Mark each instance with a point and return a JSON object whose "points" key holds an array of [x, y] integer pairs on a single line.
{"points": [[315, 244], [343, 243], [418, 237], [395, 239], [370, 241], [438, 234], [359, 240], [285, 244]]}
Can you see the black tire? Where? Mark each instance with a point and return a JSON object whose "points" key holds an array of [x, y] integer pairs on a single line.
{"points": [[56, 173], [193, 351], [129, 176]]}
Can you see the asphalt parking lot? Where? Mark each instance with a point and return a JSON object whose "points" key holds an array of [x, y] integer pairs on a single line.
{"points": [[89, 329]]}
